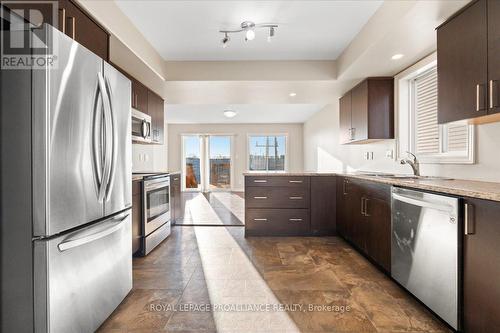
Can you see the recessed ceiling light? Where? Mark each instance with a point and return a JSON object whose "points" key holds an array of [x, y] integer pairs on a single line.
{"points": [[229, 113], [292, 94], [397, 56]]}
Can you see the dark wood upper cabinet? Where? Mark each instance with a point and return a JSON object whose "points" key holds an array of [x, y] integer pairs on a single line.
{"points": [[468, 50], [463, 65], [366, 112], [156, 111], [345, 118], [139, 97], [323, 205], [72, 20], [146, 101], [494, 56], [79, 26], [359, 111], [482, 267]]}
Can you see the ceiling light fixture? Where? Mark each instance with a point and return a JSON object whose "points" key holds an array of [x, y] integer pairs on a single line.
{"points": [[225, 40], [271, 35], [292, 94], [397, 56], [249, 27], [229, 113]]}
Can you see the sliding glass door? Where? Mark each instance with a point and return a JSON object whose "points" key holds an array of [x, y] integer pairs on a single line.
{"points": [[192, 162], [219, 164], [207, 162]]}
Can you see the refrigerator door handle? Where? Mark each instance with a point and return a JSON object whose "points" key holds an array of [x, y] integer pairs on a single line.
{"points": [[114, 225], [96, 142], [108, 128], [114, 142]]}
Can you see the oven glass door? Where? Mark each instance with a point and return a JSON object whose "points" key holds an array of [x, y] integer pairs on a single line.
{"points": [[157, 203]]}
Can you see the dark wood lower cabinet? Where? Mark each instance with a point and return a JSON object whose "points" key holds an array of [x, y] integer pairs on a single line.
{"points": [[377, 211], [364, 217], [323, 205], [175, 198], [482, 267], [136, 215]]}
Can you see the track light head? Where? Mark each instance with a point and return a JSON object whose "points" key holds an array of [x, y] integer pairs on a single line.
{"points": [[225, 40], [271, 34]]}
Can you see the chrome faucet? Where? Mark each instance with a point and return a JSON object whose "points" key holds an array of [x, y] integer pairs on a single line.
{"points": [[413, 162]]}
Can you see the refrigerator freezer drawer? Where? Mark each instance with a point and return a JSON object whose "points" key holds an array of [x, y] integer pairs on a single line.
{"points": [[81, 277]]}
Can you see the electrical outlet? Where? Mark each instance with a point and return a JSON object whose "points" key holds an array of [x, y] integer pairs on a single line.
{"points": [[389, 153]]}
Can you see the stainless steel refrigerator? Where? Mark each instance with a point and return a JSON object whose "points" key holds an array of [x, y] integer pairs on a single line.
{"points": [[66, 192]]}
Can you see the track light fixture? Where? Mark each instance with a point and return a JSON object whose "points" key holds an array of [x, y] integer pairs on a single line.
{"points": [[248, 27], [225, 40]]}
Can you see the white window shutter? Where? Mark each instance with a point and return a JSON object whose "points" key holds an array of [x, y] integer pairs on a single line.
{"points": [[425, 99], [456, 138]]}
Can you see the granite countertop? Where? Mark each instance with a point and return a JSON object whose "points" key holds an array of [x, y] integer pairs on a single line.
{"points": [[460, 187], [140, 175]]}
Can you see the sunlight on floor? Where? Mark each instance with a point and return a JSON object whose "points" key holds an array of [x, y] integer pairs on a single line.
{"points": [[233, 202], [233, 281]]}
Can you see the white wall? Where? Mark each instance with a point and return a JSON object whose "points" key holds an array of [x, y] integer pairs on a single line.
{"points": [[322, 151], [295, 141]]}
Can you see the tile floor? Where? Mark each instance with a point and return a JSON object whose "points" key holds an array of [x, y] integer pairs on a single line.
{"points": [[296, 284], [214, 208]]}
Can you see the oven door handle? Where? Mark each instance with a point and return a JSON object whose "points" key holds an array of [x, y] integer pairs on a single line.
{"points": [[155, 186]]}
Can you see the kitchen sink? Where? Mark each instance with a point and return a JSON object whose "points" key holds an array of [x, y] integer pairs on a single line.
{"points": [[416, 177], [400, 176]]}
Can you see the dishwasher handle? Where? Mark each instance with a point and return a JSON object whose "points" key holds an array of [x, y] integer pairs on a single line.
{"points": [[421, 203]]}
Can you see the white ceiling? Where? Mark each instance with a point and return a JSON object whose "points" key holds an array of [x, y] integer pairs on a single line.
{"points": [[308, 30], [246, 113]]}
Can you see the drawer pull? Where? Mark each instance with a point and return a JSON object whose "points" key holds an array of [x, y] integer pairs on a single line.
{"points": [[295, 220], [261, 220], [176, 178], [295, 181], [260, 181], [260, 198], [296, 198]]}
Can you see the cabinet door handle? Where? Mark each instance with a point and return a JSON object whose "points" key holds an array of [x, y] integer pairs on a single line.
{"points": [[479, 100], [353, 133], [73, 26], [469, 219], [260, 220], [493, 98], [260, 181], [363, 206], [295, 181], [260, 198], [344, 187], [366, 207], [62, 12], [295, 220], [176, 178], [296, 198]]}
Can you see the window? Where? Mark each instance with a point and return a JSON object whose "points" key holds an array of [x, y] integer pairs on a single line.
{"points": [[419, 131], [267, 152]]}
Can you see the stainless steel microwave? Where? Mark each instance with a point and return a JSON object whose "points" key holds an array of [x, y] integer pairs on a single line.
{"points": [[141, 127]]}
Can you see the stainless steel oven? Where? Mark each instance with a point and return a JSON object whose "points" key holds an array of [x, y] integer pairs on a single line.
{"points": [[156, 211], [141, 126]]}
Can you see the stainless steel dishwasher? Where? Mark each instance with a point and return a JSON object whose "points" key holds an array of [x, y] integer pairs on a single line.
{"points": [[424, 251]]}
